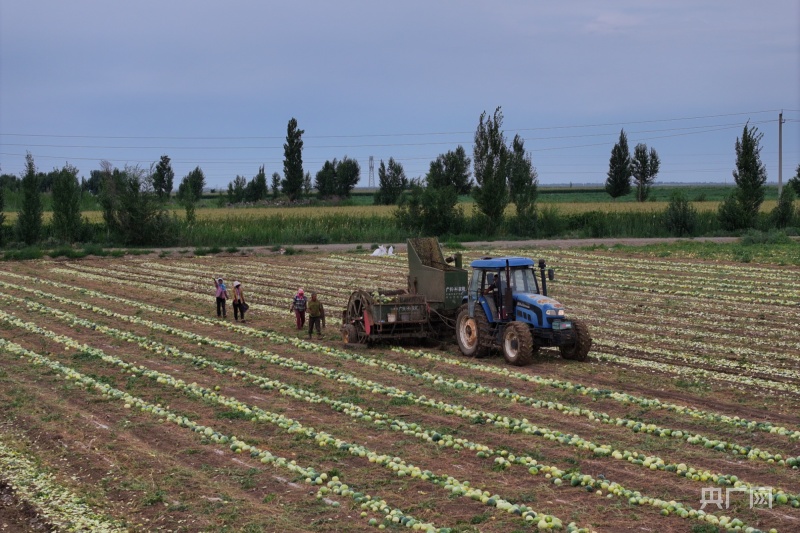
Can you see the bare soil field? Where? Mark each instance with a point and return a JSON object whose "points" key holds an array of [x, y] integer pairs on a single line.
{"points": [[129, 405]]}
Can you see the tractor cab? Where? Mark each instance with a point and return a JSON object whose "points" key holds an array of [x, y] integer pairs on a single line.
{"points": [[508, 289]]}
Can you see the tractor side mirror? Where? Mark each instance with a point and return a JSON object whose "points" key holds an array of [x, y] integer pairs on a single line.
{"points": [[551, 274]]}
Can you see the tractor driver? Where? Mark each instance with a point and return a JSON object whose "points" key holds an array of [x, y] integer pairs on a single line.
{"points": [[493, 288]]}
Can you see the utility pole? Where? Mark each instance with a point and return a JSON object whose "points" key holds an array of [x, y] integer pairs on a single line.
{"points": [[780, 152]]}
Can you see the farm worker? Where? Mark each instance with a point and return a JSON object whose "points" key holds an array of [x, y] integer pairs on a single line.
{"points": [[299, 307], [316, 314], [222, 295], [239, 305]]}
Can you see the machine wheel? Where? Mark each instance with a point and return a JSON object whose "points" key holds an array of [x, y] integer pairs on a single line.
{"points": [[349, 334], [583, 342], [518, 344], [471, 332]]}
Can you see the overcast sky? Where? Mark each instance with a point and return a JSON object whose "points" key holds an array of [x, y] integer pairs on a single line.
{"points": [[214, 84]]}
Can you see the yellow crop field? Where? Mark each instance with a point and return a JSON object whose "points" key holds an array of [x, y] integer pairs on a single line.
{"points": [[467, 207], [564, 208], [261, 212]]}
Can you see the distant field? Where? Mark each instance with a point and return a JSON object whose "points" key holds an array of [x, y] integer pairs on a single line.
{"points": [[638, 207], [695, 193]]}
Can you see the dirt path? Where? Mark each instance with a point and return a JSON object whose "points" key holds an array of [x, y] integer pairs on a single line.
{"points": [[532, 243]]}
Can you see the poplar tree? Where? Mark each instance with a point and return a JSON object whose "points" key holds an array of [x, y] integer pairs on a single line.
{"points": [[456, 165], [523, 182], [325, 180], [236, 189], [392, 182], [750, 174], [163, 178], [618, 181], [739, 209], [29, 221], [490, 160], [292, 183], [307, 186], [67, 223], [348, 172], [276, 185], [257, 188], [644, 168]]}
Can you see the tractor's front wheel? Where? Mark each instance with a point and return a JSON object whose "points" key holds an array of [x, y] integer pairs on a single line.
{"points": [[470, 331], [518, 344], [579, 351]]}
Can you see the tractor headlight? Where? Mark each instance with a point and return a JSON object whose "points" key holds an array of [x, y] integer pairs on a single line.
{"points": [[554, 312]]}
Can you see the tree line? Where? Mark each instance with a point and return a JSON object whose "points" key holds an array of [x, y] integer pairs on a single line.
{"points": [[133, 200]]}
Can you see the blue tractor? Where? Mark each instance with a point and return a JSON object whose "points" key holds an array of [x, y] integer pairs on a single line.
{"points": [[506, 307]]}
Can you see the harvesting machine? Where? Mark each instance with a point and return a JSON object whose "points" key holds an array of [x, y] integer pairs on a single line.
{"points": [[426, 309]]}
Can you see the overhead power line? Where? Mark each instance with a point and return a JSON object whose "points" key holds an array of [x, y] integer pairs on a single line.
{"points": [[688, 131], [283, 137]]}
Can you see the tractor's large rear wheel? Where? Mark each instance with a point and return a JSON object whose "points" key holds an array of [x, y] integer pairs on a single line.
{"points": [[518, 344], [579, 351], [472, 332]]}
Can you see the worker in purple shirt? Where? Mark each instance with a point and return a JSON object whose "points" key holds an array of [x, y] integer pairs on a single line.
{"points": [[222, 295]]}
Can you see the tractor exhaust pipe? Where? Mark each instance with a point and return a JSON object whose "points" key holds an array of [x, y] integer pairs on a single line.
{"points": [[544, 279], [508, 297]]}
